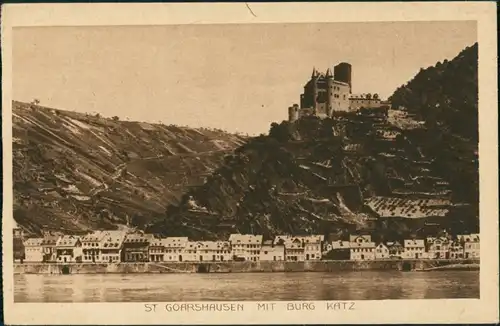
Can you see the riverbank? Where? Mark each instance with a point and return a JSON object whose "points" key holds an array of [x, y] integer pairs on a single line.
{"points": [[454, 267], [239, 267]]}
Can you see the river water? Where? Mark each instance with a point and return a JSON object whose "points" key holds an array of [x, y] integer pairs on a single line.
{"points": [[359, 285]]}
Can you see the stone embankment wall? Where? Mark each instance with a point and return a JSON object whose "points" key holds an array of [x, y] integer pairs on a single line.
{"points": [[235, 267]]}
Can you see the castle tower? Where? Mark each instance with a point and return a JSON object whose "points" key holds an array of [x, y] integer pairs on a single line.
{"points": [[343, 72], [293, 113], [329, 91], [314, 81]]}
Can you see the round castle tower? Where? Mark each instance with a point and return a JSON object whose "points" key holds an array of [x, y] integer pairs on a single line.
{"points": [[293, 113]]}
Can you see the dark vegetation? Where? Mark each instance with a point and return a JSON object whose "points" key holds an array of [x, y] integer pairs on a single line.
{"points": [[446, 98]]}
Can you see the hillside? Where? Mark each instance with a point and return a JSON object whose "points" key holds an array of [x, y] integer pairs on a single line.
{"points": [[74, 172], [446, 98], [396, 173]]}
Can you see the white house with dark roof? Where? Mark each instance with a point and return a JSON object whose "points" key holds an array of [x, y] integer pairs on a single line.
{"points": [[438, 248], [156, 250], [136, 247], [201, 251], [471, 245], [91, 248], [312, 246], [396, 249], [49, 246], [272, 252], [414, 249], [456, 250], [33, 249], [294, 247], [69, 249], [381, 251], [361, 247], [111, 246], [338, 250], [173, 248], [246, 246]]}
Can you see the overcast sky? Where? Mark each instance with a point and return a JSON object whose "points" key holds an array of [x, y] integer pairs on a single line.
{"points": [[233, 77]]}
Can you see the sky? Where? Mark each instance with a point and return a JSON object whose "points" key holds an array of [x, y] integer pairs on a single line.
{"points": [[239, 78]]}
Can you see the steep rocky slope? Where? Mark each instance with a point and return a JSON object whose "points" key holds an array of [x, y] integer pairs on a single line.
{"points": [[74, 171], [395, 172], [446, 98]]}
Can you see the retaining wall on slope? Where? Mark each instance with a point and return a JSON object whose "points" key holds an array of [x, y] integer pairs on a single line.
{"points": [[233, 267]]}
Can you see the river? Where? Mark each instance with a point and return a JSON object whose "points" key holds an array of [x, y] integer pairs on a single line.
{"points": [[359, 285]]}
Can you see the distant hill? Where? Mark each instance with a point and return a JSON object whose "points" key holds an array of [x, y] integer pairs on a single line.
{"points": [[394, 173], [74, 172]]}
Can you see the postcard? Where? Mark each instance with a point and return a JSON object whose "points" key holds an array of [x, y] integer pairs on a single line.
{"points": [[250, 163]]}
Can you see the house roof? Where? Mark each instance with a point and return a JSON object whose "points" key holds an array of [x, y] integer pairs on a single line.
{"points": [[456, 244], [468, 237], [176, 242], [138, 238], [208, 245], [362, 244], [393, 244], [67, 241], [33, 242], [50, 239], [365, 237], [340, 244], [431, 240], [315, 238], [95, 236], [414, 243], [113, 239], [245, 238]]}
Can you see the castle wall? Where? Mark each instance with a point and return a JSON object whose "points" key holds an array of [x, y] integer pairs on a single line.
{"points": [[357, 103], [293, 113], [339, 97]]}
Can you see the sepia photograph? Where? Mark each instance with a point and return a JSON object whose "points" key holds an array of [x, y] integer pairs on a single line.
{"points": [[239, 162]]}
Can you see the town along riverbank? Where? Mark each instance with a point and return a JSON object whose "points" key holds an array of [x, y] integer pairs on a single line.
{"points": [[242, 267]]}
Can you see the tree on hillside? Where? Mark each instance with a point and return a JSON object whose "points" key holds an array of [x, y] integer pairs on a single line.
{"points": [[280, 132]]}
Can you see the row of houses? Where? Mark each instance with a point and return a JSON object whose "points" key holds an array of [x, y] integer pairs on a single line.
{"points": [[122, 246], [361, 247]]}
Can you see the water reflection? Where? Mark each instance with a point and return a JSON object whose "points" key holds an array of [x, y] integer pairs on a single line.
{"points": [[364, 285]]}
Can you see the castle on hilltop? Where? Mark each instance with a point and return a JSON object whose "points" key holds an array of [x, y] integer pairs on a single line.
{"points": [[326, 93]]}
